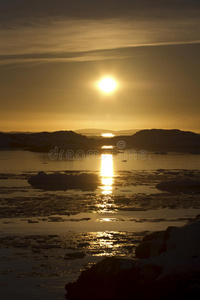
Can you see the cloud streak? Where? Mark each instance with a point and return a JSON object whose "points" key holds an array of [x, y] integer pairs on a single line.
{"points": [[73, 40], [94, 55]]}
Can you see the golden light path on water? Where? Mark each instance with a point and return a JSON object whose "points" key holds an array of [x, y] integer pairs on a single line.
{"points": [[107, 173]]}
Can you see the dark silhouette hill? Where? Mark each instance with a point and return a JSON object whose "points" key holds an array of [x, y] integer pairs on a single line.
{"points": [[46, 141], [162, 140], [151, 140]]}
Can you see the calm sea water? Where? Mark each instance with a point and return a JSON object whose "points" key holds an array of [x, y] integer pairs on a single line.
{"points": [[108, 167], [23, 161], [27, 272]]}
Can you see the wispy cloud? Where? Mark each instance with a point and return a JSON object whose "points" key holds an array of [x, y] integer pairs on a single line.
{"points": [[94, 55], [84, 39]]}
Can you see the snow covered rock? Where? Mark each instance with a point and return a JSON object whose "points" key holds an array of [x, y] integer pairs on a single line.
{"points": [[153, 244], [168, 272]]}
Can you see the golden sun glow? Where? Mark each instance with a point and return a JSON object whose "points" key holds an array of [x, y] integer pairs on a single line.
{"points": [[107, 135], [107, 85]]}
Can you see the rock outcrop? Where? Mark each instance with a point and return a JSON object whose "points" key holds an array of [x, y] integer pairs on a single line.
{"points": [[167, 267]]}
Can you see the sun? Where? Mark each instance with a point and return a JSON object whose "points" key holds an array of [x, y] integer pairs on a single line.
{"points": [[107, 85]]}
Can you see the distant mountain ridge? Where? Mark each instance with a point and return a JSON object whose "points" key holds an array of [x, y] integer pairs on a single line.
{"points": [[149, 139]]}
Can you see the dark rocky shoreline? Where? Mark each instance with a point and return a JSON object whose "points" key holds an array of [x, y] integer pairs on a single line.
{"points": [[158, 140], [167, 267]]}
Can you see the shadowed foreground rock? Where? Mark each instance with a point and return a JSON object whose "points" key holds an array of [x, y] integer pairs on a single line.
{"points": [[168, 269]]}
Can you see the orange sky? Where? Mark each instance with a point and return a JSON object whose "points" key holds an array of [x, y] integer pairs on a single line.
{"points": [[52, 56]]}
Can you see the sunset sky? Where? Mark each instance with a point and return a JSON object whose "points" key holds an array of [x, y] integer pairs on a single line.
{"points": [[54, 53]]}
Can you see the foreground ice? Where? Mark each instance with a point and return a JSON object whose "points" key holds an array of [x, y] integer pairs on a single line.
{"points": [[183, 185], [60, 181]]}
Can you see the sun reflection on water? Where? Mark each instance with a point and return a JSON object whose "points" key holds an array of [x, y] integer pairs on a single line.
{"points": [[105, 242], [107, 173]]}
